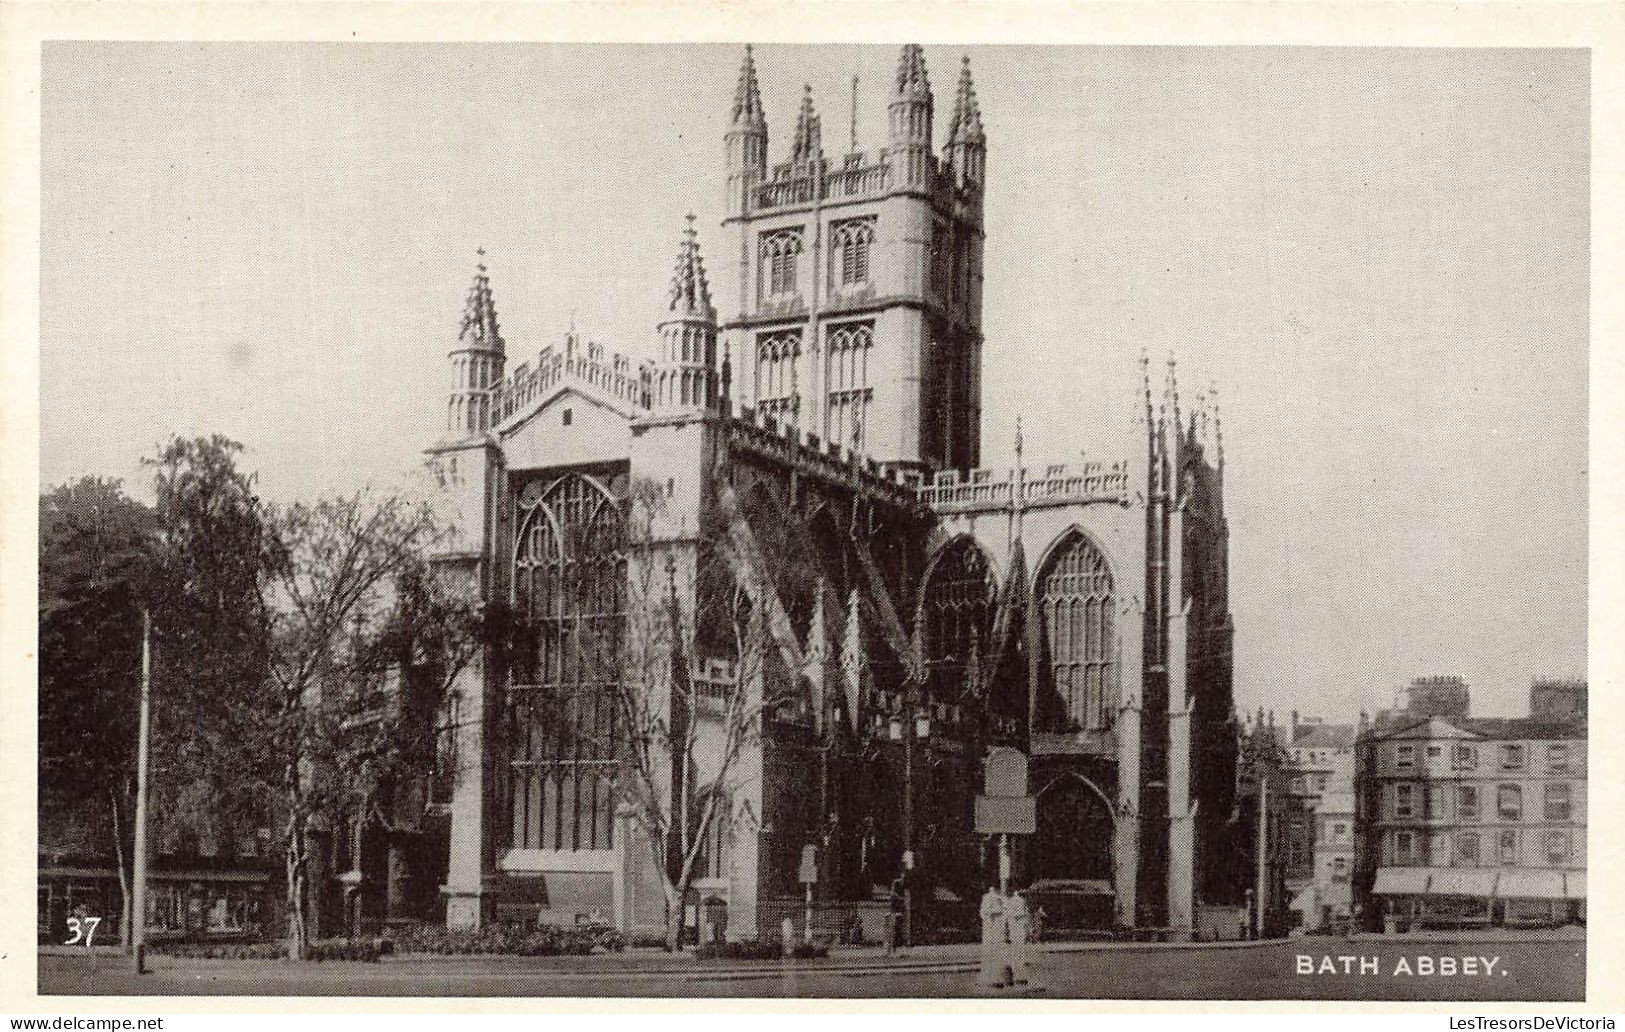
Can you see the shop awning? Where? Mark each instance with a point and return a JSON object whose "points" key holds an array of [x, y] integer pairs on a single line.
{"points": [[1461, 881], [1575, 884], [1401, 881], [1530, 883]]}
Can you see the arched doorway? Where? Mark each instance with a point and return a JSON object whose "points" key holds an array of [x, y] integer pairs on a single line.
{"points": [[1071, 859], [1075, 828]]}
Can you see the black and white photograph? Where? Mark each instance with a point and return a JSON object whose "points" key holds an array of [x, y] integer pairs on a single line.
{"points": [[857, 521]]}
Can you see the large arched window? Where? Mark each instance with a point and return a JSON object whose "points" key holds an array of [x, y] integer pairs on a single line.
{"points": [[570, 590], [957, 607], [1079, 671], [780, 249]]}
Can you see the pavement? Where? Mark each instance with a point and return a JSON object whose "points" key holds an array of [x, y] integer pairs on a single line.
{"points": [[1421, 966]]}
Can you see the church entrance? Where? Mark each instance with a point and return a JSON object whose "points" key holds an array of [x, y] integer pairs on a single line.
{"points": [[1072, 856]]}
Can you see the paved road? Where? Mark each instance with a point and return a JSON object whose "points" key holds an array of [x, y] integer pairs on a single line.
{"points": [[1302, 969]]}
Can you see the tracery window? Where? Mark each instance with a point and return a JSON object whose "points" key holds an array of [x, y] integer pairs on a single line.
{"points": [[847, 349], [569, 589], [958, 614], [849, 244], [1075, 600], [780, 250], [776, 356]]}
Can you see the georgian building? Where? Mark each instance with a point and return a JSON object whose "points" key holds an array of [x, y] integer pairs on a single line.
{"points": [[1476, 821], [815, 448], [1320, 841]]}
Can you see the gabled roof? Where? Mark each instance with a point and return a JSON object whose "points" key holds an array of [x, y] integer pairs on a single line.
{"points": [[1427, 728]]}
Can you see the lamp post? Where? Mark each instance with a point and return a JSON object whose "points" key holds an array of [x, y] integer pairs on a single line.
{"points": [[138, 906]]}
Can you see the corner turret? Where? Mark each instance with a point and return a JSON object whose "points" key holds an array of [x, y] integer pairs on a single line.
{"points": [[746, 139], [967, 143], [909, 149], [476, 360], [685, 377]]}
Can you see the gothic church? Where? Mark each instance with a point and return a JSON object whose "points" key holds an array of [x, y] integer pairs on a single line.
{"points": [[821, 443]]}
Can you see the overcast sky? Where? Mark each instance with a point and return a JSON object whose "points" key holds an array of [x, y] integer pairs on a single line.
{"points": [[1380, 256]]}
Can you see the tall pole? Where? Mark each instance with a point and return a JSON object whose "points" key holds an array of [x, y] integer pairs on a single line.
{"points": [[1260, 895], [138, 910], [909, 707]]}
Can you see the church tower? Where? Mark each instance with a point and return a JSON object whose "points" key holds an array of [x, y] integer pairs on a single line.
{"points": [[860, 276], [476, 360]]}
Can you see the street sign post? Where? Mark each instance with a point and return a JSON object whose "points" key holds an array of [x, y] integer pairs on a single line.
{"points": [[809, 878]]}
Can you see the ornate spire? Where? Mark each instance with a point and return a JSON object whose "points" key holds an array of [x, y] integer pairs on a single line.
{"points": [[911, 77], [748, 113], [479, 328], [966, 124], [808, 145], [1218, 428], [690, 292]]}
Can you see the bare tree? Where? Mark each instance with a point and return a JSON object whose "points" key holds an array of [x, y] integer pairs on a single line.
{"points": [[333, 601], [683, 737]]}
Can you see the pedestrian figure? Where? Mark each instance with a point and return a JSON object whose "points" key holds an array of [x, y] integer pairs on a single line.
{"points": [[894, 916], [1017, 919], [995, 970]]}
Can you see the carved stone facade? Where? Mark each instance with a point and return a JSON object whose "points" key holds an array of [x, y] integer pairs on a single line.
{"points": [[816, 450]]}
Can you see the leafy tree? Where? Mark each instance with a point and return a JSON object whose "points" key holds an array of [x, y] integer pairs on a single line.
{"points": [[96, 565]]}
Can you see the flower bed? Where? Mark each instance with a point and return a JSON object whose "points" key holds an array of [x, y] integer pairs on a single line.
{"points": [[511, 939], [364, 950]]}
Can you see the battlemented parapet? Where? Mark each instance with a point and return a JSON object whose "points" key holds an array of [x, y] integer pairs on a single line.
{"points": [[988, 489], [612, 373]]}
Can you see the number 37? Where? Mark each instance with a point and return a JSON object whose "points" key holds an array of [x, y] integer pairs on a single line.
{"points": [[82, 928]]}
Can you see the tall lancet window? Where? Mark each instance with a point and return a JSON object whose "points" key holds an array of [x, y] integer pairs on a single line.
{"points": [[849, 242], [1079, 638], [569, 589], [847, 348], [780, 249], [958, 613]]}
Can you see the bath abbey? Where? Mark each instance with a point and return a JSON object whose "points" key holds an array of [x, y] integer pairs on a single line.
{"points": [[773, 613]]}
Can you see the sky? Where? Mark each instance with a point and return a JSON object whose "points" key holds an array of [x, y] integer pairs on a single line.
{"points": [[1379, 256]]}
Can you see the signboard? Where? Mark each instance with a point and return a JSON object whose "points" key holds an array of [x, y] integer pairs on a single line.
{"points": [[1006, 815], [1005, 773], [809, 865]]}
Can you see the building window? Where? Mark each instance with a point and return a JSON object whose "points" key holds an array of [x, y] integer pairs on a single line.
{"points": [[1297, 784], [1075, 603], [1467, 802], [1511, 757], [1340, 831], [1404, 801], [1557, 848], [565, 417], [847, 348], [569, 589], [1467, 848], [849, 243], [1509, 802], [1340, 868], [780, 250], [1508, 846], [1557, 801], [1557, 758], [1466, 757], [1434, 752], [1436, 803], [958, 610], [777, 355], [1405, 757], [1404, 848]]}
